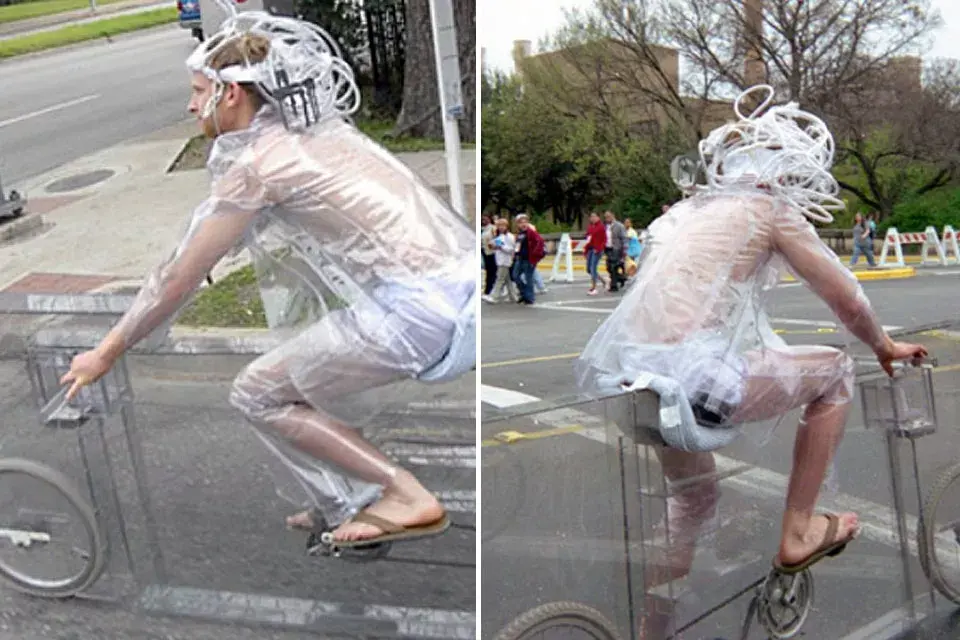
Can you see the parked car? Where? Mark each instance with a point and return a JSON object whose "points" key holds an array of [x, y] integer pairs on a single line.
{"points": [[189, 11]]}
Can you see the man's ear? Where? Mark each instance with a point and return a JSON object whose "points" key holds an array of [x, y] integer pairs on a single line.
{"points": [[232, 95]]}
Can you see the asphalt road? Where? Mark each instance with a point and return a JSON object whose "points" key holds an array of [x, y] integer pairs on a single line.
{"points": [[65, 104], [210, 542], [553, 507]]}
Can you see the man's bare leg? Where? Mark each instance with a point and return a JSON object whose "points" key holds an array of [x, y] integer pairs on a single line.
{"points": [[405, 501], [821, 380], [818, 437]]}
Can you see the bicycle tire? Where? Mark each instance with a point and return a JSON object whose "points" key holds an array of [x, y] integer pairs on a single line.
{"points": [[96, 563], [555, 614], [926, 531]]}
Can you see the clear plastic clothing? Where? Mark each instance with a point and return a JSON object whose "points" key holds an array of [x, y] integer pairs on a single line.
{"points": [[361, 266], [696, 312], [696, 316]]}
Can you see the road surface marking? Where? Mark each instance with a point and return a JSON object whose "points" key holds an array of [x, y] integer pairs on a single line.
{"points": [[50, 109], [403, 622], [878, 522], [507, 363]]}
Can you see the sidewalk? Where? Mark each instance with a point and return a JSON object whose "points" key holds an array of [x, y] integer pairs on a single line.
{"points": [[125, 225], [42, 23]]}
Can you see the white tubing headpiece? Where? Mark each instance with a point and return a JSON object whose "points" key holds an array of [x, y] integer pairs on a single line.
{"points": [[303, 75], [786, 150]]}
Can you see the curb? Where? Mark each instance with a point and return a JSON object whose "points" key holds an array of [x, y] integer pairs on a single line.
{"points": [[886, 274], [29, 222], [26, 26], [177, 156], [88, 43], [879, 274]]}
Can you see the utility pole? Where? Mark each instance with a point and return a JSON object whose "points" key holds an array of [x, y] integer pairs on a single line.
{"points": [[451, 96]]}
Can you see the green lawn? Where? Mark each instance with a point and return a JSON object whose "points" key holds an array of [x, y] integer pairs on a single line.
{"points": [[38, 8], [379, 130], [88, 31], [231, 302]]}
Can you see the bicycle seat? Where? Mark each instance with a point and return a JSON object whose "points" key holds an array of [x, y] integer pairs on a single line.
{"points": [[676, 423]]}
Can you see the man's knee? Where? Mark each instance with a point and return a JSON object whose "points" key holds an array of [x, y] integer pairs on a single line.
{"points": [[841, 389], [250, 393]]}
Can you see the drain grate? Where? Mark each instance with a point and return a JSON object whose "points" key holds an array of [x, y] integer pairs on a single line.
{"points": [[79, 181]]}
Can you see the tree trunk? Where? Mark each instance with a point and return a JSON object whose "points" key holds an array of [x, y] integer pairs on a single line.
{"points": [[420, 114]]}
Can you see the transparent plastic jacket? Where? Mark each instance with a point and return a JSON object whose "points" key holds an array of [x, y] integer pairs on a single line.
{"points": [[695, 312], [333, 221]]}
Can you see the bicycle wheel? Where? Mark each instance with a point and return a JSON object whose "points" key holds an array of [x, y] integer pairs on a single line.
{"points": [[944, 578], [32, 530], [560, 621]]}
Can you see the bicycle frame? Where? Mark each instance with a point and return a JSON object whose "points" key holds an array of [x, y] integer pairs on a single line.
{"points": [[628, 424], [111, 446]]}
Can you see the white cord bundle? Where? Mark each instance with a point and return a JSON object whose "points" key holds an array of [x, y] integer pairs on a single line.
{"points": [[786, 150], [301, 55]]}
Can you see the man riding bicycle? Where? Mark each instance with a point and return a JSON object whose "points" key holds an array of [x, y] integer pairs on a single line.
{"points": [[693, 326], [363, 267]]}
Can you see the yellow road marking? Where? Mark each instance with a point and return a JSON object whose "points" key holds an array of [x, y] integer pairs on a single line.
{"points": [[509, 363]]}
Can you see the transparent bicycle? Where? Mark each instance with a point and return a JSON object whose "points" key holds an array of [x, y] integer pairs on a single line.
{"points": [[896, 409]]}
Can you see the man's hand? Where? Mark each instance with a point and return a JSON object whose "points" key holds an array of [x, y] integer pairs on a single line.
{"points": [[86, 368], [900, 351]]}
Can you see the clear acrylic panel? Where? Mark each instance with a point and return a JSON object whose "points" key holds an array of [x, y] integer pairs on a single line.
{"points": [[578, 508]]}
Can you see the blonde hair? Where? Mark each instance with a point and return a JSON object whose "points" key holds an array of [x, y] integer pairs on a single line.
{"points": [[249, 48]]}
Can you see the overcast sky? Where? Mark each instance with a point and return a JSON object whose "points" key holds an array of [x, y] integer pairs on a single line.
{"points": [[503, 21]]}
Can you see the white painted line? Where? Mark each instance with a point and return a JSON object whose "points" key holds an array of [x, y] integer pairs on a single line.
{"points": [[253, 608], [556, 307], [46, 110], [463, 457], [458, 500], [800, 322], [503, 398], [878, 522]]}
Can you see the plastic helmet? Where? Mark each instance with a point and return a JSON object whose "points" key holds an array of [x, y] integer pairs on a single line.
{"points": [[781, 148], [303, 75]]}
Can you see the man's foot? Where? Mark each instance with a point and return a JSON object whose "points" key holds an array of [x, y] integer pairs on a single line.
{"points": [[795, 548], [302, 520], [406, 503]]}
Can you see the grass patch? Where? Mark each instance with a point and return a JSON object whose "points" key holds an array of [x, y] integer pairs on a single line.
{"points": [[379, 130], [40, 8], [89, 31], [232, 302]]}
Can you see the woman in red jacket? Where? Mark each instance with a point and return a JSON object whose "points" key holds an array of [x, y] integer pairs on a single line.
{"points": [[595, 248]]}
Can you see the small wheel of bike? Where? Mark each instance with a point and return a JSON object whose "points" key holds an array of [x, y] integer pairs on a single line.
{"points": [[567, 620], [784, 603], [946, 580], [33, 530]]}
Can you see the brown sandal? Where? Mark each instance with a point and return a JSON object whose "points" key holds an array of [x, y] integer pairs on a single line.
{"points": [[828, 547], [393, 532]]}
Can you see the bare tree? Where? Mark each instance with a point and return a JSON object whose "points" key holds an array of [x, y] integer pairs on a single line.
{"points": [[614, 63], [809, 50], [902, 136]]}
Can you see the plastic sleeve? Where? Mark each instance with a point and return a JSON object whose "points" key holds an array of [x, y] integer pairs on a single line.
{"points": [[821, 270], [217, 225]]}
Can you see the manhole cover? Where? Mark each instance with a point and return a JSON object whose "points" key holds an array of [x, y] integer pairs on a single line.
{"points": [[79, 181]]}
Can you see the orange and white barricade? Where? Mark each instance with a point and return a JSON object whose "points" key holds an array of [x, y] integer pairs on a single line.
{"points": [[895, 240], [949, 242], [891, 242]]}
